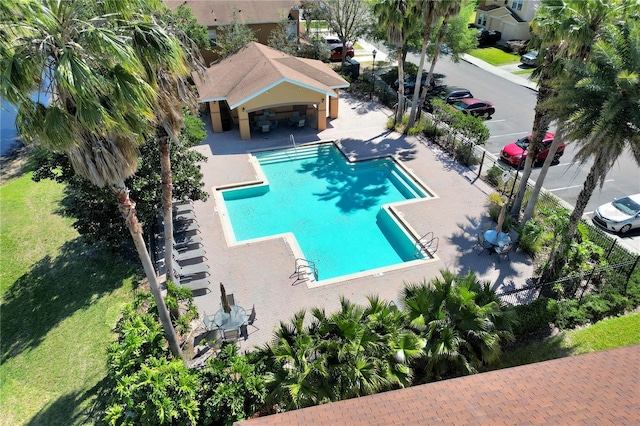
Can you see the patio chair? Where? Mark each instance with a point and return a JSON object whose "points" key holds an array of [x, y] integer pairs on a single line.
{"points": [[266, 128], [181, 256], [231, 335], [252, 315], [231, 299], [500, 250], [274, 124], [215, 338], [209, 325], [482, 243], [300, 123], [244, 332]]}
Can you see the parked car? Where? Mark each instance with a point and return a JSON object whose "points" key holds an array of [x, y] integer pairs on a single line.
{"points": [[336, 52], [620, 215], [331, 40], [449, 94], [515, 154], [474, 107], [488, 37], [529, 58]]}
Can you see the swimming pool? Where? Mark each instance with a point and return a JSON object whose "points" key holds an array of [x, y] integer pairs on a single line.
{"points": [[339, 212]]}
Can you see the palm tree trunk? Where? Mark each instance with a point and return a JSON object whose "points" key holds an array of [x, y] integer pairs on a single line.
{"points": [[128, 209], [540, 126], [167, 204], [400, 107], [416, 92], [528, 212], [441, 34], [598, 169]]}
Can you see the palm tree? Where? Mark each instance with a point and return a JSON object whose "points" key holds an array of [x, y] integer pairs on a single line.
{"points": [[450, 9], [367, 349], [562, 28], [397, 16], [170, 74], [597, 104], [296, 370], [462, 321], [101, 105]]}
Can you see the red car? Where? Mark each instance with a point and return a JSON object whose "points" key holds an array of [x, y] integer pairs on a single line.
{"points": [[475, 107], [336, 52], [516, 153]]}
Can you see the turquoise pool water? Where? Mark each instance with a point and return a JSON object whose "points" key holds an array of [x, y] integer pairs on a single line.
{"points": [[332, 207]]}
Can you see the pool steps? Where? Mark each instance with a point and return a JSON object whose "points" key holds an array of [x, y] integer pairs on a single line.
{"points": [[298, 153]]}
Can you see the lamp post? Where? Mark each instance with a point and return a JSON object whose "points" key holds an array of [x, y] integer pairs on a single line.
{"points": [[373, 77]]}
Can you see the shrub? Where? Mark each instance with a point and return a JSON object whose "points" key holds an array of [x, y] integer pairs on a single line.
{"points": [[464, 154], [531, 237], [570, 315], [494, 175], [535, 316]]}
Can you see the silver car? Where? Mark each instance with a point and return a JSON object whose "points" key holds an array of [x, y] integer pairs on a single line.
{"points": [[620, 215], [529, 58]]}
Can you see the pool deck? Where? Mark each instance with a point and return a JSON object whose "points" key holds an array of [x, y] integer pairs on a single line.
{"points": [[260, 273]]}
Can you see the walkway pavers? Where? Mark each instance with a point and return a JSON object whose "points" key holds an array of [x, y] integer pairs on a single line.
{"points": [[260, 273]]}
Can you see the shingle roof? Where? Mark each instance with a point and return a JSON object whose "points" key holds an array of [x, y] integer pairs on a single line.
{"points": [[595, 388], [256, 68], [220, 12]]}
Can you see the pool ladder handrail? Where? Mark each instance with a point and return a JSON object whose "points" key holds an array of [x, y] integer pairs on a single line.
{"points": [[427, 243], [293, 141], [303, 268]]}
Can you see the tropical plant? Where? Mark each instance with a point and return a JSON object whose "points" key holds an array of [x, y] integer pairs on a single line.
{"points": [[367, 349], [462, 321], [232, 389], [296, 371], [597, 107], [101, 101]]}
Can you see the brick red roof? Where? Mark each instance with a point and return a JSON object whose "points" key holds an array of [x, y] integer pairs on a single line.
{"points": [[256, 68], [596, 388]]}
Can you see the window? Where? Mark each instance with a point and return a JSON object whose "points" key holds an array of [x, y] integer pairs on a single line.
{"points": [[212, 37], [482, 20], [517, 4]]}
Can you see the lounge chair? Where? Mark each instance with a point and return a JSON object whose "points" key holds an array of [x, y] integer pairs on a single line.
{"points": [[185, 216], [189, 271], [195, 285], [181, 256], [184, 227], [182, 208], [182, 241]]}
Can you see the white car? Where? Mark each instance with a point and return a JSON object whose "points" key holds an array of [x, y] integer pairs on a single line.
{"points": [[620, 215]]}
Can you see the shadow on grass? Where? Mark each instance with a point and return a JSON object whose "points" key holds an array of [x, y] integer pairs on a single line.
{"points": [[532, 351], [53, 290], [75, 408]]}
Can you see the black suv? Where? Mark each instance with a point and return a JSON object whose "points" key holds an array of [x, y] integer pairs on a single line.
{"points": [[449, 94]]}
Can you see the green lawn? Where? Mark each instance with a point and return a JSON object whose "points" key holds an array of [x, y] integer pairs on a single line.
{"points": [[495, 56], [607, 334], [59, 302]]}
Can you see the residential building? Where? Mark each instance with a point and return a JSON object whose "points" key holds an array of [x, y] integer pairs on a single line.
{"points": [[510, 17], [262, 16]]}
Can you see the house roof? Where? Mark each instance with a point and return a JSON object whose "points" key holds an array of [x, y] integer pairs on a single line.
{"points": [[220, 12], [256, 68], [595, 388]]}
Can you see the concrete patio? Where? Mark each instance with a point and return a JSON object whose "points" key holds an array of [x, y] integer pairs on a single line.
{"points": [[260, 273]]}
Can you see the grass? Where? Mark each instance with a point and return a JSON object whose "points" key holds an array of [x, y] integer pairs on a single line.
{"points": [[524, 71], [606, 334], [60, 300], [495, 56]]}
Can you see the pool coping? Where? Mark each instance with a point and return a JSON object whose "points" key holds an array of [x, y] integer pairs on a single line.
{"points": [[289, 237]]}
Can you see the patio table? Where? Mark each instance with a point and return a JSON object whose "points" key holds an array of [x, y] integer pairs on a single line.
{"points": [[497, 239], [232, 320]]}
